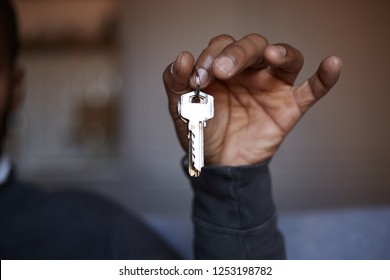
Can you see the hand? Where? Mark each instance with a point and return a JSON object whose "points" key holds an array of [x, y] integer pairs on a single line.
{"points": [[256, 101]]}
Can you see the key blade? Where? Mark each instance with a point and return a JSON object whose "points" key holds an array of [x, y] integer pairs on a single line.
{"points": [[197, 148]]}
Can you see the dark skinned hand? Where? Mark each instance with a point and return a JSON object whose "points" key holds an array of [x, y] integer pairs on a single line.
{"points": [[256, 101]]}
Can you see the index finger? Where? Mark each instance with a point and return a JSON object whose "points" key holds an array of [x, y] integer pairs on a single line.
{"points": [[246, 52]]}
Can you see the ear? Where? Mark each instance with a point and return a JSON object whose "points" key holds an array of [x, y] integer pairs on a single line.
{"points": [[17, 87]]}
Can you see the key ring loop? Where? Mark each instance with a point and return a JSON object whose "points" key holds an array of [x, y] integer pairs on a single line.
{"points": [[197, 83]]}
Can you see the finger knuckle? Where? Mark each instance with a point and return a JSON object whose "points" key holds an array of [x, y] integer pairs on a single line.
{"points": [[257, 39], [237, 51], [223, 39]]}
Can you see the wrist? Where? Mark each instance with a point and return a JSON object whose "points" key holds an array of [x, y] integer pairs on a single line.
{"points": [[239, 160], [237, 154], [235, 197]]}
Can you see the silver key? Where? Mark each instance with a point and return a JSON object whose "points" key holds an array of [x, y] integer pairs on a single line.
{"points": [[196, 108]]}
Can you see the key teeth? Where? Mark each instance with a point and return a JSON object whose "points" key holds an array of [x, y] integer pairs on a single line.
{"points": [[191, 168], [193, 172]]}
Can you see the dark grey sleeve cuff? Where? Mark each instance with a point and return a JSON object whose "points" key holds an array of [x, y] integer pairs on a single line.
{"points": [[233, 197]]}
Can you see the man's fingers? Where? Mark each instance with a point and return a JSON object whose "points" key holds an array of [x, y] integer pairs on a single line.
{"points": [[177, 74], [284, 60], [239, 55], [207, 57], [176, 77], [319, 84]]}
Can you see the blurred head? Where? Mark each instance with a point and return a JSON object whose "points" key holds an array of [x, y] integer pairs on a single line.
{"points": [[11, 75]]}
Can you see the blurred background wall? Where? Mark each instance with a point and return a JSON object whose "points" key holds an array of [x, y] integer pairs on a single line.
{"points": [[95, 114]]}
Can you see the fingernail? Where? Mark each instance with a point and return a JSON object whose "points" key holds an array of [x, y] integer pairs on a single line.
{"points": [[173, 68], [280, 50], [203, 76], [339, 61], [176, 64], [225, 64]]}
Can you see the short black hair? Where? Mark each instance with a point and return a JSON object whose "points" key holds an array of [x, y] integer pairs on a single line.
{"points": [[8, 19]]}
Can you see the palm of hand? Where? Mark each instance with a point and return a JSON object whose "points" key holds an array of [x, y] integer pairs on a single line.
{"points": [[253, 113]]}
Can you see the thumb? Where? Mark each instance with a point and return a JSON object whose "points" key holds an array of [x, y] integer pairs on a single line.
{"points": [[177, 74], [176, 80]]}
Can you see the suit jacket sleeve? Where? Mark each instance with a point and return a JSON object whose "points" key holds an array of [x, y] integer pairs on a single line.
{"points": [[234, 214]]}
